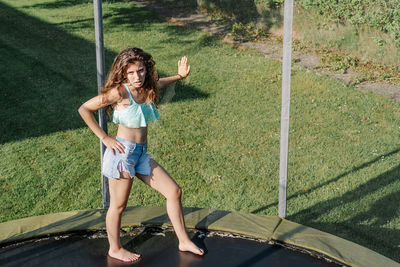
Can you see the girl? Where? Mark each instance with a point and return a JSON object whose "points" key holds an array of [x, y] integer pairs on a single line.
{"points": [[131, 90]]}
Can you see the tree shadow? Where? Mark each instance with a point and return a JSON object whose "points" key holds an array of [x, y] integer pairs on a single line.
{"points": [[267, 13], [45, 76], [67, 3], [136, 18], [243, 11], [47, 73]]}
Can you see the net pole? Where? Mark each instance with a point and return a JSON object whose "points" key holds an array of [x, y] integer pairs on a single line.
{"points": [[284, 139], [98, 27]]}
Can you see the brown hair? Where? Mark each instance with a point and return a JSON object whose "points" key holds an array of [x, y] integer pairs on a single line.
{"points": [[116, 74]]}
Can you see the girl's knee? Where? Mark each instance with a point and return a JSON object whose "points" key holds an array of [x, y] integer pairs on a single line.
{"points": [[175, 193], [117, 209]]}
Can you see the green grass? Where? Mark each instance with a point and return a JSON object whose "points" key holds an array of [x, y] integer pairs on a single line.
{"points": [[218, 137]]}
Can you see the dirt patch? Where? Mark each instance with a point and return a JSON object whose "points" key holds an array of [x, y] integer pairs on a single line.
{"points": [[270, 49], [383, 89]]}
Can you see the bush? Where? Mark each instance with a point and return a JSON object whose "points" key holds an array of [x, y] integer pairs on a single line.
{"points": [[383, 15]]}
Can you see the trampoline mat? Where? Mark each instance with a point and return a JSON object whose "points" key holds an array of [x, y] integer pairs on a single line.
{"points": [[158, 248]]}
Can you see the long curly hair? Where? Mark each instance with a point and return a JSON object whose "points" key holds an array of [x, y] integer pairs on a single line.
{"points": [[116, 77]]}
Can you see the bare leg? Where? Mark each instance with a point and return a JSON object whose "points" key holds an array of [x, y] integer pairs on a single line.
{"points": [[161, 181], [119, 193]]}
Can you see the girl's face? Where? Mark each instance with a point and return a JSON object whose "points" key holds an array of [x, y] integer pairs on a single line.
{"points": [[135, 74]]}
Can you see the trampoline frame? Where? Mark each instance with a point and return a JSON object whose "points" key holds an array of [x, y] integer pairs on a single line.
{"points": [[263, 227]]}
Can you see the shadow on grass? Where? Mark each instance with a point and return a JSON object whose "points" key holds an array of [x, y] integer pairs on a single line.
{"points": [[337, 178], [47, 73], [68, 3], [358, 228], [243, 11], [368, 228]]}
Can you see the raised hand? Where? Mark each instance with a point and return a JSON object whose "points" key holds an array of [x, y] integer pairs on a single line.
{"points": [[183, 67]]}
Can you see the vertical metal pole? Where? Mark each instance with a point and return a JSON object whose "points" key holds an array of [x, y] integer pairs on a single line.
{"points": [[286, 71], [98, 27]]}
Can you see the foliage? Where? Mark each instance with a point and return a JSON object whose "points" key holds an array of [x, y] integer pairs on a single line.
{"points": [[339, 62], [383, 15], [244, 11], [247, 32]]}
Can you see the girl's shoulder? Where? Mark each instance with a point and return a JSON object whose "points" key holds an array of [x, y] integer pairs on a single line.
{"points": [[115, 94], [118, 96]]}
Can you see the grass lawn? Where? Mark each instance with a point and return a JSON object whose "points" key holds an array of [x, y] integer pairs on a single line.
{"points": [[218, 136]]}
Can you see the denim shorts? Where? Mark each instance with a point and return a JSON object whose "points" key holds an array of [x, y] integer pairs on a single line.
{"points": [[134, 160]]}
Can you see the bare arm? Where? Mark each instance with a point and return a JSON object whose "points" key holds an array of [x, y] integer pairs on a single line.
{"points": [[86, 111], [183, 72]]}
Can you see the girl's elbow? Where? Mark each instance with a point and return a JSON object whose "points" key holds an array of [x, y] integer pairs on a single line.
{"points": [[82, 110]]}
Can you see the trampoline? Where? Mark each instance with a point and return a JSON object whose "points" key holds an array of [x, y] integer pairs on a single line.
{"points": [[78, 238]]}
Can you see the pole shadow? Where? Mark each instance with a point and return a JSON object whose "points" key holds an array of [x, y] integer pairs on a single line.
{"points": [[368, 228], [333, 180]]}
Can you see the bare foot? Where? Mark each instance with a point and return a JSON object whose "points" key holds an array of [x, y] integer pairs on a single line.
{"points": [[123, 255], [191, 247]]}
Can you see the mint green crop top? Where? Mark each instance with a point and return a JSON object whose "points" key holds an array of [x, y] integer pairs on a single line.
{"points": [[135, 115]]}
